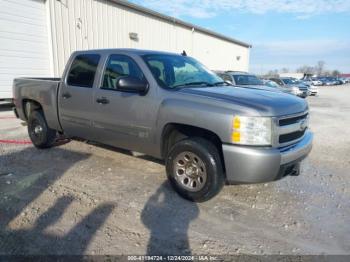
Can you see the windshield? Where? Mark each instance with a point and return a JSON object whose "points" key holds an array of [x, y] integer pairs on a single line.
{"points": [[172, 71], [247, 80], [272, 84]]}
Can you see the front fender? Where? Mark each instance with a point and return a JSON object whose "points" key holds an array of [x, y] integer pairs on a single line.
{"points": [[210, 117]]}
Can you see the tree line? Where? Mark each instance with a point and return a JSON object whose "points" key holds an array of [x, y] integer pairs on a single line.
{"points": [[318, 69]]}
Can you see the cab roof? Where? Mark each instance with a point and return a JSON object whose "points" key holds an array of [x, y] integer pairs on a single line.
{"points": [[127, 51]]}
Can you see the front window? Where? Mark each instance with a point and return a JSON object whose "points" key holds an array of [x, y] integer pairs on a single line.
{"points": [[247, 80], [119, 66], [172, 71]]}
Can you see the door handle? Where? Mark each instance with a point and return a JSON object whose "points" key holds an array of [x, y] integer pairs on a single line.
{"points": [[66, 95], [102, 100]]}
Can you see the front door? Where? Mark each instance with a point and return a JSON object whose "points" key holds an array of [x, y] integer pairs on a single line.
{"points": [[124, 119]]}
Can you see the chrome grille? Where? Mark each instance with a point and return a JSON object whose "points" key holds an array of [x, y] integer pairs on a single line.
{"points": [[290, 129], [291, 120], [291, 136]]}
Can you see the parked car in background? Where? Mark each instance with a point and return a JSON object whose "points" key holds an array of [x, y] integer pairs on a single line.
{"points": [[312, 84], [287, 89], [313, 90], [337, 80], [292, 82], [316, 82], [330, 81], [246, 80], [311, 81], [170, 107], [306, 82], [343, 80], [240, 78], [326, 81]]}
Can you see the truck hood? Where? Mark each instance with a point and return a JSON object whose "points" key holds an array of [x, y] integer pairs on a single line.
{"points": [[266, 103]]}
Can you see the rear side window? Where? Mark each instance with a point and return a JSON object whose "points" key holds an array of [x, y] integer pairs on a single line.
{"points": [[83, 70]]}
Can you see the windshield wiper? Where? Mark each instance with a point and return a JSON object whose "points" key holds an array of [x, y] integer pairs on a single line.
{"points": [[194, 84]]}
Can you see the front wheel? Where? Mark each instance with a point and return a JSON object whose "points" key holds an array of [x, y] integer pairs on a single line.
{"points": [[40, 134], [194, 169]]}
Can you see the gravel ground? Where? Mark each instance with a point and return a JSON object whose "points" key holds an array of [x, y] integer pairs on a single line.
{"points": [[82, 198]]}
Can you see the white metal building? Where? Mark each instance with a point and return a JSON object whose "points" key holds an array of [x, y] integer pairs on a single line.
{"points": [[38, 36]]}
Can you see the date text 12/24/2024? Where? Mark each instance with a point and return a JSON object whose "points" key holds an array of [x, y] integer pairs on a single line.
{"points": [[172, 258]]}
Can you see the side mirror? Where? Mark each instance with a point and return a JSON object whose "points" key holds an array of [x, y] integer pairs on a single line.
{"points": [[132, 85]]}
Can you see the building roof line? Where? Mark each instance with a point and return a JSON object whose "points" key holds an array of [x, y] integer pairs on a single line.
{"points": [[179, 22]]}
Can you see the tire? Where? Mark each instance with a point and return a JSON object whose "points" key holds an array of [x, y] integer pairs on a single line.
{"points": [[40, 134], [188, 159]]}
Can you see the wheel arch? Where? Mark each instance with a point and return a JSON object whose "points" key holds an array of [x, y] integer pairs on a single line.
{"points": [[175, 132], [30, 105]]}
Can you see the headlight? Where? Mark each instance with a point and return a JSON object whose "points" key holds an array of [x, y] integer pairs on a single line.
{"points": [[251, 130]]}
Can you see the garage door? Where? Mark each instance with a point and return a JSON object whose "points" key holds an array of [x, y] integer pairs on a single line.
{"points": [[24, 44]]}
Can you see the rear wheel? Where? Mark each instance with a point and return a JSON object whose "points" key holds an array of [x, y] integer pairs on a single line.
{"points": [[194, 169], [40, 134]]}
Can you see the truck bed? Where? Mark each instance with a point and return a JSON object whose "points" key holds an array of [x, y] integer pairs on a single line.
{"points": [[54, 79], [42, 90]]}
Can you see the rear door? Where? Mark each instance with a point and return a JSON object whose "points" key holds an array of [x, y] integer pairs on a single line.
{"points": [[76, 96], [123, 119]]}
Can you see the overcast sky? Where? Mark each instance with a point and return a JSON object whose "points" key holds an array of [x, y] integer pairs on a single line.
{"points": [[284, 33]]}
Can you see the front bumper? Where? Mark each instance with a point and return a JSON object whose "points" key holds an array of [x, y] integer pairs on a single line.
{"points": [[257, 165], [313, 91]]}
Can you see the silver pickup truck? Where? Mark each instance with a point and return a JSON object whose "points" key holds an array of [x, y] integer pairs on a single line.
{"points": [[171, 107]]}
